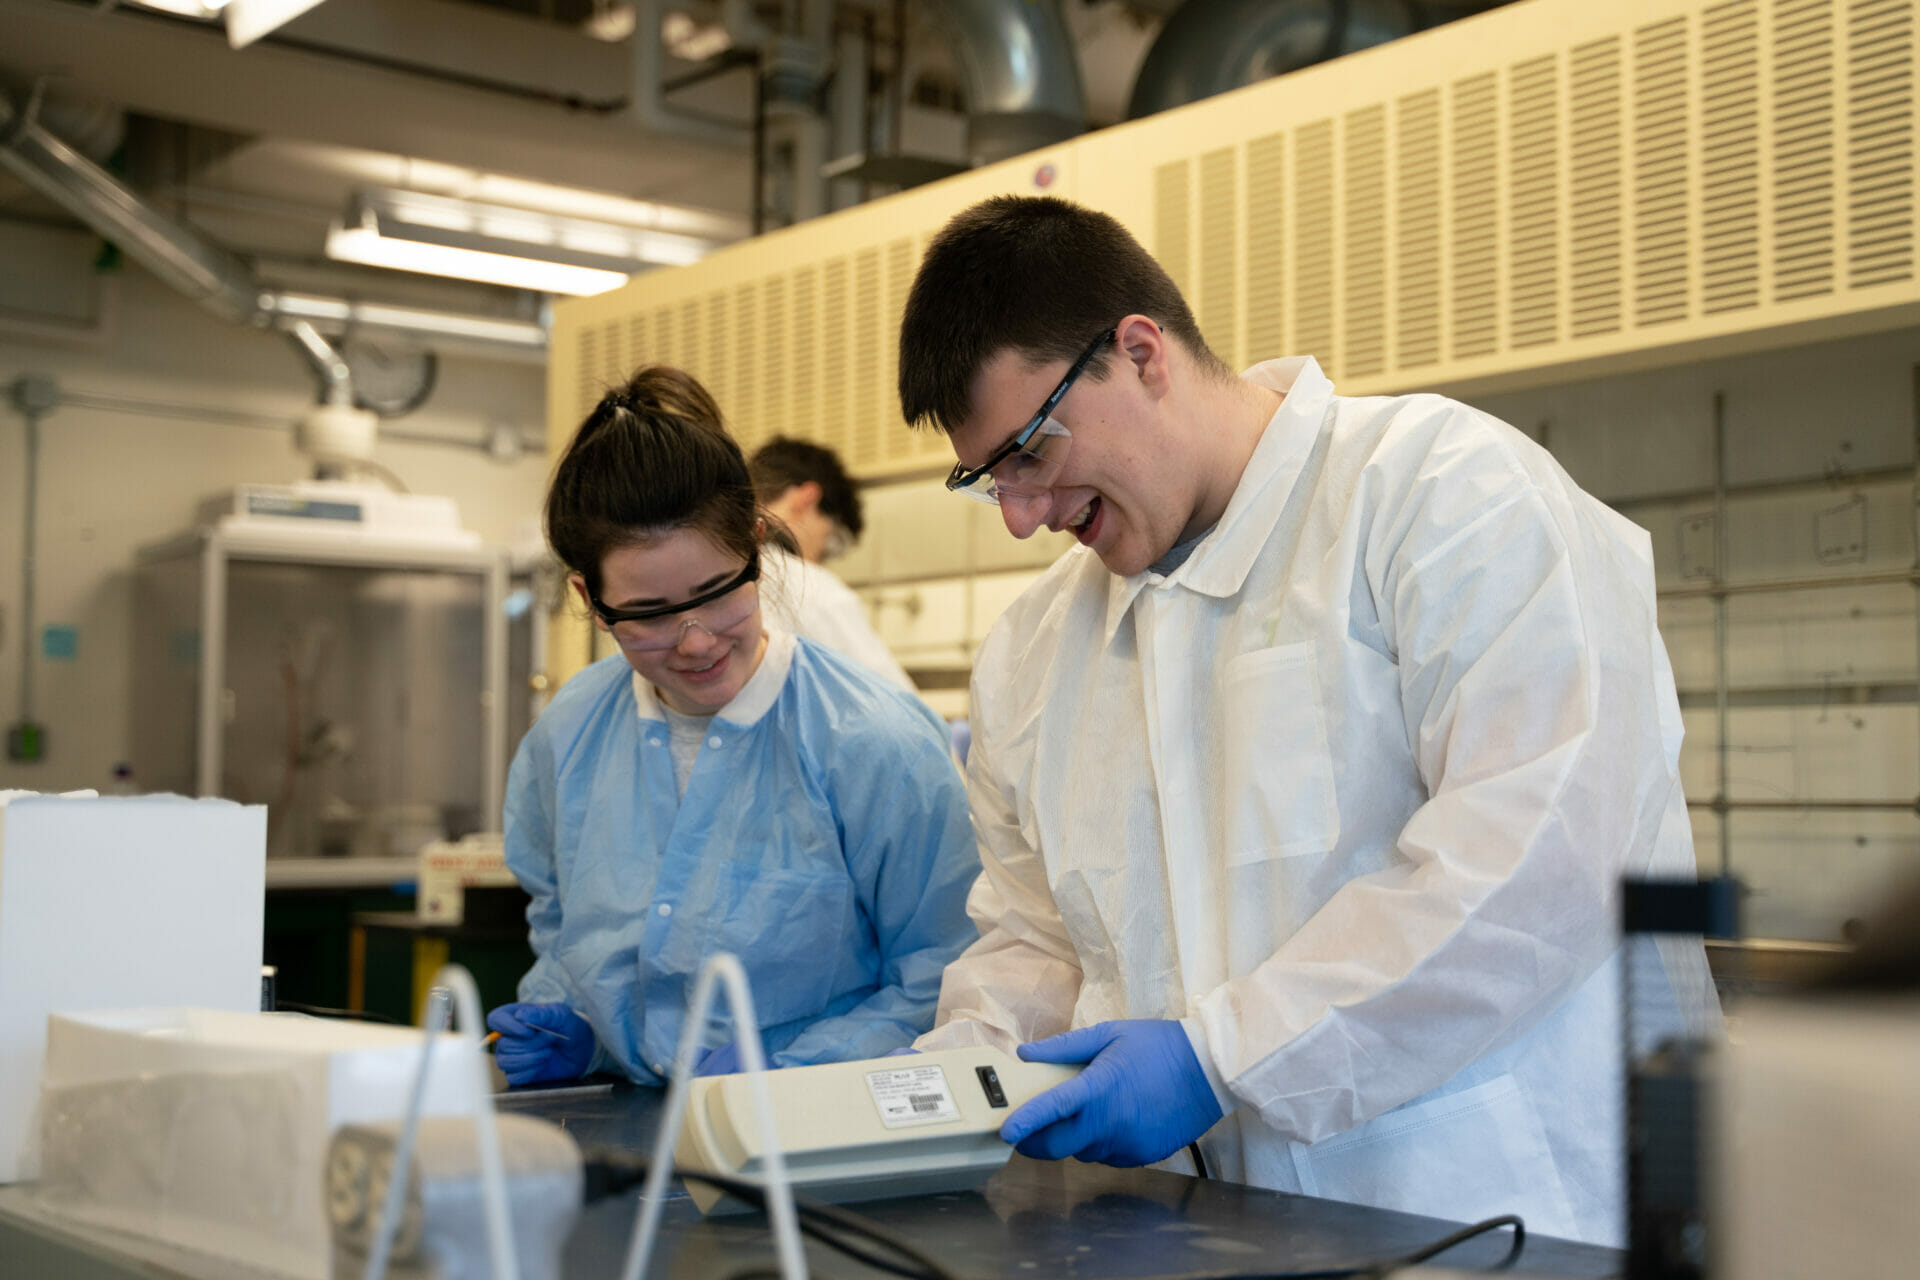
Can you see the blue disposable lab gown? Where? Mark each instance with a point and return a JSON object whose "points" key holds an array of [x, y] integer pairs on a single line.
{"points": [[823, 839]]}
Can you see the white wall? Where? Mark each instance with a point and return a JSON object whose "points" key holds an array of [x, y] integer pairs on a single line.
{"points": [[110, 482]]}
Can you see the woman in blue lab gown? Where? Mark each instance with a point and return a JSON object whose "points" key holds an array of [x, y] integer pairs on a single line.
{"points": [[716, 786]]}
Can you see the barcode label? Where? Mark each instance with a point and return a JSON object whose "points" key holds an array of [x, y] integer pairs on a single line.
{"points": [[912, 1095]]}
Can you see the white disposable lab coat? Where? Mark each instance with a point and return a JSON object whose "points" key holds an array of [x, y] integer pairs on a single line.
{"points": [[1350, 792], [811, 601]]}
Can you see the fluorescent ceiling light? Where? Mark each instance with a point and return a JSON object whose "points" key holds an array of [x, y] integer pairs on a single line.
{"points": [[499, 243], [366, 170], [248, 20], [368, 246]]}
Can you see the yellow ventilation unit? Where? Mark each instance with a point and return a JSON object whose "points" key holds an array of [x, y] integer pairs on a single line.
{"points": [[1549, 190]]}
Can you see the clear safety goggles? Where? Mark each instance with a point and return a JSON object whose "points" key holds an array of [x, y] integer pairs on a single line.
{"points": [[1027, 465], [721, 609]]}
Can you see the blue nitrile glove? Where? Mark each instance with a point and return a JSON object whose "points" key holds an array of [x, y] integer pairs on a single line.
{"points": [[541, 1042], [726, 1060], [1142, 1097], [902, 1051], [723, 1061]]}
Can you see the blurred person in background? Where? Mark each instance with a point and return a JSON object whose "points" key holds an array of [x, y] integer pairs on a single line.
{"points": [[804, 486]]}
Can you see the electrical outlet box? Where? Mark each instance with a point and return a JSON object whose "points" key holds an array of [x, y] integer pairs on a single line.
{"points": [[26, 741]]}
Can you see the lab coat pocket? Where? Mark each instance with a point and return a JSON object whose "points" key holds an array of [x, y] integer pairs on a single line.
{"points": [[1276, 770], [1462, 1156], [793, 931]]}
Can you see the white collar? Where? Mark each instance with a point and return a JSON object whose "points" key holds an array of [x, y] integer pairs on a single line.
{"points": [[755, 698], [1220, 564]]}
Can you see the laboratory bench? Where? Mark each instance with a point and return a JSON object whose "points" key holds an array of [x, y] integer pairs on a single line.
{"points": [[1033, 1218]]}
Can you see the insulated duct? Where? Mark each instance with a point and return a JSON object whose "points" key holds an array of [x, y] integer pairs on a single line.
{"points": [[1023, 77], [1211, 46], [210, 275]]}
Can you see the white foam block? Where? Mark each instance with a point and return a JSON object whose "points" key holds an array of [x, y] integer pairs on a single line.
{"points": [[208, 1129], [115, 902]]}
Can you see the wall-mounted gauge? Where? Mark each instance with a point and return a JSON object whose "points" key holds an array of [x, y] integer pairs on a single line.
{"points": [[390, 376]]}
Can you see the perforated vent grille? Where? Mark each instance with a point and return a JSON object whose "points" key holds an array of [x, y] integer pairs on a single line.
{"points": [[831, 425], [776, 331], [1419, 209], [1476, 216], [1574, 181], [901, 261], [1802, 148], [1730, 158], [1597, 173], [1533, 207], [1366, 256], [1171, 200], [1266, 247], [1219, 310], [1879, 141], [1662, 173], [1313, 240]]}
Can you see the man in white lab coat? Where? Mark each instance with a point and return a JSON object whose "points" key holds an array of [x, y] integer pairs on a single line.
{"points": [[804, 486], [1305, 785]]}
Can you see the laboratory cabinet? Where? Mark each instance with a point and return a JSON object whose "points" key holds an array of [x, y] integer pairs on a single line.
{"points": [[357, 688]]}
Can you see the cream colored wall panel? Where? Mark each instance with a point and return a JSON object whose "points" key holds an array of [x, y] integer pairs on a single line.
{"points": [[860, 563], [993, 594], [924, 620], [994, 548], [919, 531]]}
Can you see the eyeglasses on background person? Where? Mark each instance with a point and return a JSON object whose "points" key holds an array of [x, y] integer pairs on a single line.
{"points": [[1031, 460], [839, 542], [715, 611]]}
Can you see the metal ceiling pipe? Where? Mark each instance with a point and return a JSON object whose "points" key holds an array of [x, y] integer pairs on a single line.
{"points": [[203, 271], [213, 276], [1023, 77], [1212, 46], [414, 322], [336, 379]]}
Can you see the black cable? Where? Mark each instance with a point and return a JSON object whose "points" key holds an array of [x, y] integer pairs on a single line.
{"points": [[322, 1011], [1199, 1161], [1376, 1270], [1461, 1236], [610, 1174]]}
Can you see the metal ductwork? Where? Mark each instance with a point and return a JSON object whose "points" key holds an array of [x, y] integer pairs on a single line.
{"points": [[1211, 46], [1022, 75], [212, 276]]}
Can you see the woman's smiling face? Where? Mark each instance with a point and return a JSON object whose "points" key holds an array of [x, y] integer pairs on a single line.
{"points": [[707, 665]]}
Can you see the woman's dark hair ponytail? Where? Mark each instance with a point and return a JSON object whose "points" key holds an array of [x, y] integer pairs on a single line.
{"points": [[653, 455]]}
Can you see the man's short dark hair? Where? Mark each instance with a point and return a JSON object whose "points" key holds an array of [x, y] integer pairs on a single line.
{"points": [[1033, 273], [782, 463]]}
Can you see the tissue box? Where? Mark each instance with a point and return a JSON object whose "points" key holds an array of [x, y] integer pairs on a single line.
{"points": [[111, 903], [209, 1130]]}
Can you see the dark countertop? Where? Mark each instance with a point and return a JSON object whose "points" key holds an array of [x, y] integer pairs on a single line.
{"points": [[1033, 1219], [1040, 1219]]}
